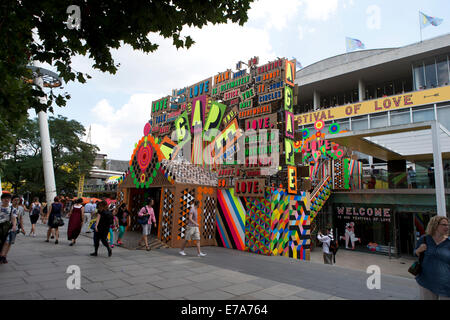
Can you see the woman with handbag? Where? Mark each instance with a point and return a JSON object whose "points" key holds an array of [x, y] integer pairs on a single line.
{"points": [[75, 215], [146, 217], [434, 276], [54, 218]]}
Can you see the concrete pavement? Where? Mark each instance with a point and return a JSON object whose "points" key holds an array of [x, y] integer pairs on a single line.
{"points": [[37, 270]]}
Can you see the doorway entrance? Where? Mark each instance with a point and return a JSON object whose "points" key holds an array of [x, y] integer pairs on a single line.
{"points": [[405, 229], [138, 198]]}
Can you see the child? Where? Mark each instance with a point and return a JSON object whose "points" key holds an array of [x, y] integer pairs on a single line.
{"points": [[112, 228]]}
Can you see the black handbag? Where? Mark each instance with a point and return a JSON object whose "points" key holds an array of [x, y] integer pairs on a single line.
{"points": [[58, 221], [416, 268]]}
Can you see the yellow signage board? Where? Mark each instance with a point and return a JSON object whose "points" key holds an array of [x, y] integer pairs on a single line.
{"points": [[406, 100]]}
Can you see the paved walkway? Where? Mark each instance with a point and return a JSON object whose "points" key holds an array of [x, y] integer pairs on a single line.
{"points": [[37, 270]]}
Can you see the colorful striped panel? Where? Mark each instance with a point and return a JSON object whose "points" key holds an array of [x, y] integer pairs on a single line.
{"points": [[279, 239], [230, 220]]}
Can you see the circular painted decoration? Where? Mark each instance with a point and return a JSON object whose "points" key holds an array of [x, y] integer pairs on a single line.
{"points": [[335, 148], [142, 178], [144, 156], [339, 153], [334, 128], [305, 133], [147, 128], [319, 125], [319, 134]]}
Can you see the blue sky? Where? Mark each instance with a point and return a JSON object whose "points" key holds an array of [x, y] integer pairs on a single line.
{"points": [[118, 106]]}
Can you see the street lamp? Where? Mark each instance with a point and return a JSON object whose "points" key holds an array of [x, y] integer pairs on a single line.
{"points": [[46, 78]]}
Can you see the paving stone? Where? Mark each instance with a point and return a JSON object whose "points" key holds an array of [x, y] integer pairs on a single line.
{"points": [[19, 288], [282, 290], [145, 296], [178, 274], [12, 274], [313, 295], [97, 286], [107, 276], [203, 277], [168, 283], [242, 288], [210, 295], [179, 291], [143, 279], [130, 290], [212, 284], [143, 272]]}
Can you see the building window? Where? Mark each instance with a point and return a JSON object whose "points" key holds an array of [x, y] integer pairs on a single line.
{"points": [[425, 114], [379, 120], [370, 92], [344, 124], [419, 76], [400, 117], [389, 89], [360, 123], [430, 73], [355, 96], [443, 73], [443, 116]]}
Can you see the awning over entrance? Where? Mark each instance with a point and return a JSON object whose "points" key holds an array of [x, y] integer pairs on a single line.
{"points": [[427, 140]]}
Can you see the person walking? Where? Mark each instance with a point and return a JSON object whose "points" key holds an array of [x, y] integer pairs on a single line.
{"points": [[122, 216], [102, 224], [89, 210], [35, 212], [192, 230], [8, 227], [53, 216], [75, 215], [113, 227], [326, 242], [146, 217], [20, 211], [434, 279]]}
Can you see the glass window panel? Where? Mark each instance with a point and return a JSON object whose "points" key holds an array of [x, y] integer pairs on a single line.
{"points": [[408, 85], [443, 116], [398, 87], [419, 76], [355, 96], [400, 117], [423, 115], [343, 124], [380, 91], [360, 123], [378, 121], [430, 73], [389, 89], [442, 70]]}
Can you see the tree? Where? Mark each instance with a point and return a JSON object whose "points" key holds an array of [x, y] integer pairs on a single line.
{"points": [[39, 31], [22, 166]]}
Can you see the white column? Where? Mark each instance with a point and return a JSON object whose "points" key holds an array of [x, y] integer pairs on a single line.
{"points": [[361, 90], [438, 169], [316, 100], [47, 160]]}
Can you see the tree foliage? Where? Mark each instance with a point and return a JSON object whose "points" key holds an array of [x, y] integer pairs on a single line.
{"points": [[22, 165], [37, 31]]}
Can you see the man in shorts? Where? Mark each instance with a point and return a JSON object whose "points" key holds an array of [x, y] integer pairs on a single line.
{"points": [[7, 214], [192, 231]]}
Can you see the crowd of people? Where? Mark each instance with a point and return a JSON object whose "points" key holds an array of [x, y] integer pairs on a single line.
{"points": [[99, 217]]}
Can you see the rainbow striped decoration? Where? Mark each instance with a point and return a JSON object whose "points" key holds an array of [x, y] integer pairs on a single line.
{"points": [[197, 150], [230, 220], [257, 225]]}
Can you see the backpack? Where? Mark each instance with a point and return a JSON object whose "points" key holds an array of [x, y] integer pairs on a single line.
{"points": [[36, 210], [334, 246]]}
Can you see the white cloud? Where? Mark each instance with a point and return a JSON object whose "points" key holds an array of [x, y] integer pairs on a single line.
{"points": [[274, 14], [217, 48], [320, 10], [303, 31], [116, 130]]}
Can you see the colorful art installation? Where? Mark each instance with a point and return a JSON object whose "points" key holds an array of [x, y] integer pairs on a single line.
{"points": [[231, 220]]}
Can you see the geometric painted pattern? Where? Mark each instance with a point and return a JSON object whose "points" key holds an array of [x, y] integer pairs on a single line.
{"points": [[299, 228], [209, 218], [279, 242], [186, 202], [338, 174], [167, 216], [257, 226]]}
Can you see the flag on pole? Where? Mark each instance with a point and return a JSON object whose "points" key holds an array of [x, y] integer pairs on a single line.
{"points": [[353, 44], [425, 20], [298, 64]]}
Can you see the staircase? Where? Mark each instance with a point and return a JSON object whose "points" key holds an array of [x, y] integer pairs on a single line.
{"points": [[319, 196]]}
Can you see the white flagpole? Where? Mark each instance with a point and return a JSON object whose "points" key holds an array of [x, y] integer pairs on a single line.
{"points": [[420, 27]]}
